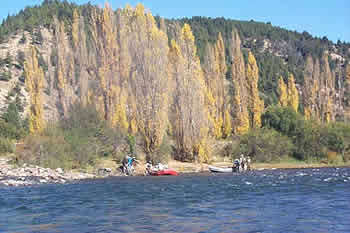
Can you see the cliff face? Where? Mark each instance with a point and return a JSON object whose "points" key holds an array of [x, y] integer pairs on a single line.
{"points": [[16, 49], [91, 61]]}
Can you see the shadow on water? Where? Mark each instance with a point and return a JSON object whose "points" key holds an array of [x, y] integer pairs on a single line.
{"points": [[293, 200]]}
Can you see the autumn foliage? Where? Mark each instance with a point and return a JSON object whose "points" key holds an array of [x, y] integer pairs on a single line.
{"points": [[145, 78], [35, 83]]}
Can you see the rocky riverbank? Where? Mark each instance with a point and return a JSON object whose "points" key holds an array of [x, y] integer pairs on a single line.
{"points": [[27, 175]]}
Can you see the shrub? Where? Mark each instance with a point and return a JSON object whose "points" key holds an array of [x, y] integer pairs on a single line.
{"points": [[131, 142], [163, 154], [283, 119], [308, 142], [263, 145], [11, 124], [8, 130], [57, 148], [331, 156], [49, 150], [336, 137], [305, 135], [76, 142], [227, 149], [6, 146], [5, 76]]}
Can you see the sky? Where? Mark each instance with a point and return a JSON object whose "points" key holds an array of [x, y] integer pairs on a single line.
{"points": [[320, 18]]}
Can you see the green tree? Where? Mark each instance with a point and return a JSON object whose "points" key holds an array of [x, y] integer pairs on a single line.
{"points": [[264, 145], [336, 137]]}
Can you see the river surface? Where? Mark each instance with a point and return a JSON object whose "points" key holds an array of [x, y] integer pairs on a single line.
{"points": [[294, 200]]}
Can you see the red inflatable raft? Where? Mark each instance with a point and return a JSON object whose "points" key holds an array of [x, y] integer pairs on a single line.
{"points": [[165, 172]]}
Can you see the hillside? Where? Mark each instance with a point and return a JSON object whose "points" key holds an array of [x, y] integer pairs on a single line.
{"points": [[278, 51], [188, 81]]}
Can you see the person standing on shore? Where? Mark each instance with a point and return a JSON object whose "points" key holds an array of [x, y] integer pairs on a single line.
{"points": [[245, 164], [236, 165], [128, 163], [241, 163], [249, 168]]}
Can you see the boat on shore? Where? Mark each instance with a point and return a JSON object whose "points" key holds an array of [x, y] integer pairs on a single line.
{"points": [[165, 172], [221, 170]]}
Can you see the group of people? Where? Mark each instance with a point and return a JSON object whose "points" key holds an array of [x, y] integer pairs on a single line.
{"points": [[128, 166], [150, 168], [239, 165], [242, 164]]}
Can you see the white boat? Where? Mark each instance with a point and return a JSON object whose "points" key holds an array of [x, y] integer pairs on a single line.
{"points": [[221, 170]]}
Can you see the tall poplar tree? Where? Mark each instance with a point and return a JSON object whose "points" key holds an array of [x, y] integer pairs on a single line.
{"points": [[215, 69], [111, 97], [82, 59], [148, 48], [326, 96], [34, 82], [240, 99], [293, 94], [189, 123], [310, 88], [319, 91], [347, 92], [256, 105], [283, 94]]}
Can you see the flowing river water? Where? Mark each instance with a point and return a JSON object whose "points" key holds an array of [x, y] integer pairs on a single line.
{"points": [[293, 200]]}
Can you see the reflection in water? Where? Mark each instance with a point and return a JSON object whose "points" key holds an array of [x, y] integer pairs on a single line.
{"points": [[297, 200]]}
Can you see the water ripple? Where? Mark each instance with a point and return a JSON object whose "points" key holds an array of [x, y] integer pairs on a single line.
{"points": [[294, 200]]}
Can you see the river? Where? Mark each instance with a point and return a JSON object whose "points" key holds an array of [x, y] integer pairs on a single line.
{"points": [[291, 200]]}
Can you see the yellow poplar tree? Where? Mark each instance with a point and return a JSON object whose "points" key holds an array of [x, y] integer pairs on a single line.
{"points": [[293, 94], [315, 89], [347, 74], [65, 69], [240, 98], [222, 92], [256, 104], [119, 118], [242, 123], [227, 127], [150, 77], [75, 28], [61, 66], [80, 57], [212, 99], [347, 92], [326, 99], [189, 110], [282, 89], [311, 88], [328, 114], [112, 93], [319, 90], [34, 83], [347, 79]]}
